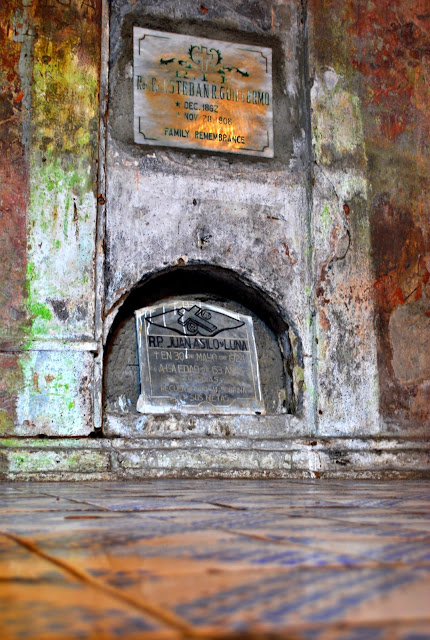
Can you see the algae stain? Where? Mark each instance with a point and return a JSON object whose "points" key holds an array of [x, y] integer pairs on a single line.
{"points": [[6, 422], [31, 274], [41, 310], [325, 217], [69, 133], [54, 399], [62, 134], [62, 152], [36, 309]]}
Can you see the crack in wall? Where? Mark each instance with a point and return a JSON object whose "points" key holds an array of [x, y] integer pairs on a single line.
{"points": [[309, 214]]}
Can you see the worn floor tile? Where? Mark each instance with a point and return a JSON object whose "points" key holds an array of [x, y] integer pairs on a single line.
{"points": [[416, 520], [192, 551], [40, 600], [310, 560], [290, 598]]}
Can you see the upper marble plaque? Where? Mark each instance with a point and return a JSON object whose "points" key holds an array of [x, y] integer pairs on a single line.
{"points": [[196, 93], [197, 358]]}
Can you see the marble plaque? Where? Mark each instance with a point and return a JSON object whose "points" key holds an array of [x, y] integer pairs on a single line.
{"points": [[197, 358], [196, 93]]}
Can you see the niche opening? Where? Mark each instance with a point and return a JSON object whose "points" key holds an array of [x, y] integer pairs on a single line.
{"points": [[212, 285]]}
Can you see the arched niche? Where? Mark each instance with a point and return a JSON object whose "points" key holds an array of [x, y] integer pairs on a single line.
{"points": [[278, 348]]}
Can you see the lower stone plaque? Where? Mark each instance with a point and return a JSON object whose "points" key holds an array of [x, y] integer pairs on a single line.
{"points": [[197, 358]]}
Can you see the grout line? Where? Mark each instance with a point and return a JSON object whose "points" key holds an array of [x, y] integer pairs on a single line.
{"points": [[160, 613], [74, 500], [225, 506], [144, 510], [381, 525]]}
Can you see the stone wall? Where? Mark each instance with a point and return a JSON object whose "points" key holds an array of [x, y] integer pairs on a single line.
{"points": [[50, 81], [326, 244], [369, 75]]}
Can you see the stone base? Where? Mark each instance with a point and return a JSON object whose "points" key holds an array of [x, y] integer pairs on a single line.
{"points": [[189, 456]]}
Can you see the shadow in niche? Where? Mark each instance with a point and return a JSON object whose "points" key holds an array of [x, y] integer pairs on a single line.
{"points": [[212, 285]]}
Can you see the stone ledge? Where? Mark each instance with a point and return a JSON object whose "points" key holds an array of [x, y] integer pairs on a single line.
{"points": [[292, 443], [280, 426], [238, 474], [109, 459], [17, 461], [144, 426]]}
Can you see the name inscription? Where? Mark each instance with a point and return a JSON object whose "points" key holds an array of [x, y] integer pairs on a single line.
{"points": [[197, 358], [202, 94]]}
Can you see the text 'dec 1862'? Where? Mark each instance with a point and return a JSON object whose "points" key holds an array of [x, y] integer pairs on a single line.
{"points": [[196, 93]]}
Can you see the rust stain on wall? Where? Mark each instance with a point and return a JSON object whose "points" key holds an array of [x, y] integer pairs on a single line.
{"points": [[65, 53], [63, 167], [13, 206], [49, 70], [382, 51], [13, 178]]}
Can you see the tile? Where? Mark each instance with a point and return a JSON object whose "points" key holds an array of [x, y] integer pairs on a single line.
{"points": [[279, 599], [128, 502], [327, 529], [388, 631], [27, 501], [57, 608], [180, 552], [414, 521], [324, 560], [354, 546], [39, 600]]}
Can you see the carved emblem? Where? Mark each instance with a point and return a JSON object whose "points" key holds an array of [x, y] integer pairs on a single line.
{"points": [[204, 59], [194, 321]]}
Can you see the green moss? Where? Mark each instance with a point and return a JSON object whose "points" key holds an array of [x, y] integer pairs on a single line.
{"points": [[41, 310], [30, 275], [43, 443], [31, 270], [299, 378], [9, 442], [54, 460], [325, 218], [28, 343], [6, 422]]}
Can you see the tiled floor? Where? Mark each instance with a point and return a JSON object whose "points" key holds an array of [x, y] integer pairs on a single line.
{"points": [[170, 559]]}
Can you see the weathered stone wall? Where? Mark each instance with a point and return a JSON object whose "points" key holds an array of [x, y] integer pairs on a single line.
{"points": [[369, 68], [333, 234], [169, 208], [49, 149]]}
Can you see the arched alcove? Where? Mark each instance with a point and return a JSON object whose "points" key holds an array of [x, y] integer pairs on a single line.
{"points": [[212, 285]]}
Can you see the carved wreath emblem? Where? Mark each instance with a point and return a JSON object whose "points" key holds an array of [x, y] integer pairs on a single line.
{"points": [[204, 59]]}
